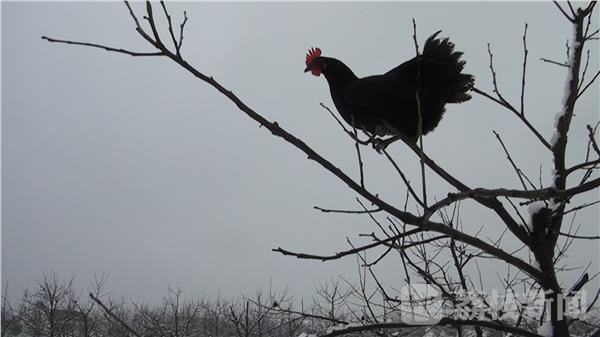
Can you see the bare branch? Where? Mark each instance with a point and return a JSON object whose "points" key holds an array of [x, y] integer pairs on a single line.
{"points": [[525, 52], [575, 209], [512, 163], [404, 179], [587, 62], [171, 33], [562, 64], [181, 28], [360, 163], [521, 117], [325, 210], [588, 85], [347, 252], [420, 115], [107, 48], [563, 12], [580, 236]]}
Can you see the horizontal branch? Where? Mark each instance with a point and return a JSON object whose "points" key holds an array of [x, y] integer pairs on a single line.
{"points": [[582, 165], [347, 252], [343, 211], [99, 46], [545, 193], [554, 62], [582, 237]]}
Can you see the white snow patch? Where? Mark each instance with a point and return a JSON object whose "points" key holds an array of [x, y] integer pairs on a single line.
{"points": [[340, 327], [304, 334], [545, 329], [573, 45], [532, 209]]}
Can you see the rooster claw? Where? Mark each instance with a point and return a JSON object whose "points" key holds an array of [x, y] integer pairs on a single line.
{"points": [[379, 145]]}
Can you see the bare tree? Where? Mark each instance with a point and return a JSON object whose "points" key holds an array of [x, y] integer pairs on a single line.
{"points": [[260, 314], [214, 317], [90, 319], [421, 239], [175, 317], [11, 321], [49, 309]]}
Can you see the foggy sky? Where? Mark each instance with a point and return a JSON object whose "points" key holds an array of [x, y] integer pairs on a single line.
{"points": [[133, 167]]}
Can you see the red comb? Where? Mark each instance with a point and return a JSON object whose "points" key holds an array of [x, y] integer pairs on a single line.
{"points": [[313, 53]]}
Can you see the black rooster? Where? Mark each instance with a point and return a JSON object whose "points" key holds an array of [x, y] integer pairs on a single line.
{"points": [[386, 104]]}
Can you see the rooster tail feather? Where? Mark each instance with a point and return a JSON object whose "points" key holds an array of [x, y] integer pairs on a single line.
{"points": [[443, 65]]}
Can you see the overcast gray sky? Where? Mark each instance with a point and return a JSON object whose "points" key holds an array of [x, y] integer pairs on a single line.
{"points": [[133, 167]]}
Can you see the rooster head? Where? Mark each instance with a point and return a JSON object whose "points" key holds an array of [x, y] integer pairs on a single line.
{"points": [[314, 62]]}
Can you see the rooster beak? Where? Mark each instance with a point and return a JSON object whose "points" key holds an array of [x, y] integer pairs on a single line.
{"points": [[307, 69]]}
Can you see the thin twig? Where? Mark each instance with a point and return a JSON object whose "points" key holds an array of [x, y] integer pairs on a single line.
{"points": [[574, 209], [420, 114], [171, 33], [348, 132], [580, 236], [404, 179], [525, 52], [494, 81], [360, 163], [563, 12], [588, 85], [347, 252], [150, 19], [326, 210], [181, 27], [107, 48], [517, 170], [591, 36], [522, 118], [571, 8], [587, 62], [591, 133], [554, 62]]}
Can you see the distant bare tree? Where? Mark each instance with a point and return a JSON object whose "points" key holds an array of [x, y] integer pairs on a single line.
{"points": [[257, 315], [175, 317], [117, 317], [11, 321], [90, 318], [214, 317], [49, 309]]}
